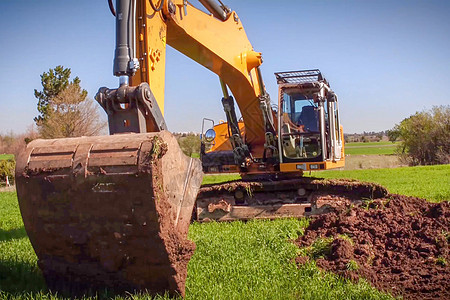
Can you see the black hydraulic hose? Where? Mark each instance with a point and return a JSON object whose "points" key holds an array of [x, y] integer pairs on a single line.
{"points": [[154, 7], [218, 11], [113, 11], [111, 7]]}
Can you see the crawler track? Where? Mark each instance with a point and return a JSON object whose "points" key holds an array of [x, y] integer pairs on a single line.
{"points": [[244, 200]]}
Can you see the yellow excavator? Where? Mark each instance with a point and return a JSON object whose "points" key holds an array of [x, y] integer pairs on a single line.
{"points": [[114, 211]]}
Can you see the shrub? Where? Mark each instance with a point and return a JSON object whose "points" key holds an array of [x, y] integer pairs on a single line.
{"points": [[7, 169], [189, 144], [425, 137]]}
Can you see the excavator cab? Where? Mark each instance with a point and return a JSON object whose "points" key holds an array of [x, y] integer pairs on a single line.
{"points": [[309, 131], [300, 131]]}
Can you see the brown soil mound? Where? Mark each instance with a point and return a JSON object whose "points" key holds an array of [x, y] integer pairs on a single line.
{"points": [[400, 244]]}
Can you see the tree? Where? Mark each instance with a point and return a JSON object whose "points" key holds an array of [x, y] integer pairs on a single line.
{"points": [[65, 110], [190, 144], [394, 133], [425, 137], [7, 167], [53, 82]]}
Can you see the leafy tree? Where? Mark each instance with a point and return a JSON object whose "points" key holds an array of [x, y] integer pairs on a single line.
{"points": [[53, 82], [65, 110], [7, 169], [190, 144], [394, 133], [425, 137]]}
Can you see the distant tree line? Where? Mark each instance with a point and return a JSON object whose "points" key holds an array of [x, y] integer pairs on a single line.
{"points": [[12, 143], [365, 137]]}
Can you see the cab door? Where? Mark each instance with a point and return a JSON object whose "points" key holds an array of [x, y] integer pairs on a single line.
{"points": [[334, 127]]}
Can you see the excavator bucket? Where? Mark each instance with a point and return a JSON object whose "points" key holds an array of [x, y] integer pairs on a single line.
{"points": [[109, 212]]}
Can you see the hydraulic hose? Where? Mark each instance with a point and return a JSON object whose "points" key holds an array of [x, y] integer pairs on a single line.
{"points": [[113, 11], [111, 7], [154, 7], [220, 12]]}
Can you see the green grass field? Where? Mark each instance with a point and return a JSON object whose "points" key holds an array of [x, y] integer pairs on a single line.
{"points": [[212, 179], [371, 148], [239, 260], [358, 144], [6, 156], [18, 268], [429, 182]]}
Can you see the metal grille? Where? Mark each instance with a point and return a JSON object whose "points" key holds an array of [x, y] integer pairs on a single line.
{"points": [[303, 76]]}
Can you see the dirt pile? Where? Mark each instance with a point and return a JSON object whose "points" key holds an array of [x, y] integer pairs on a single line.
{"points": [[400, 244]]}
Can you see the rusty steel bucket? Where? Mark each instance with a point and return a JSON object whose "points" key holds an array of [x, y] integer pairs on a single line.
{"points": [[109, 212]]}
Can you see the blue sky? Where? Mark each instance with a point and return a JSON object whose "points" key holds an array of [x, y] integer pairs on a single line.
{"points": [[385, 59]]}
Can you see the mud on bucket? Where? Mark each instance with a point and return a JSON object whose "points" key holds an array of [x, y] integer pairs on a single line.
{"points": [[109, 212]]}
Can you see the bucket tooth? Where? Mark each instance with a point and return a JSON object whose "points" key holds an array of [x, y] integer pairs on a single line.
{"points": [[109, 211]]}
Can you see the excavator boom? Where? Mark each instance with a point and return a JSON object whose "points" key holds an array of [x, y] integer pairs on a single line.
{"points": [[219, 44]]}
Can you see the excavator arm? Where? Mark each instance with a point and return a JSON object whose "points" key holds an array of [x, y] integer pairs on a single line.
{"points": [[217, 41]]}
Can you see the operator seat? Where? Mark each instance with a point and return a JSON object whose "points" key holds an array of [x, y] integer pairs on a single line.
{"points": [[309, 117]]}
